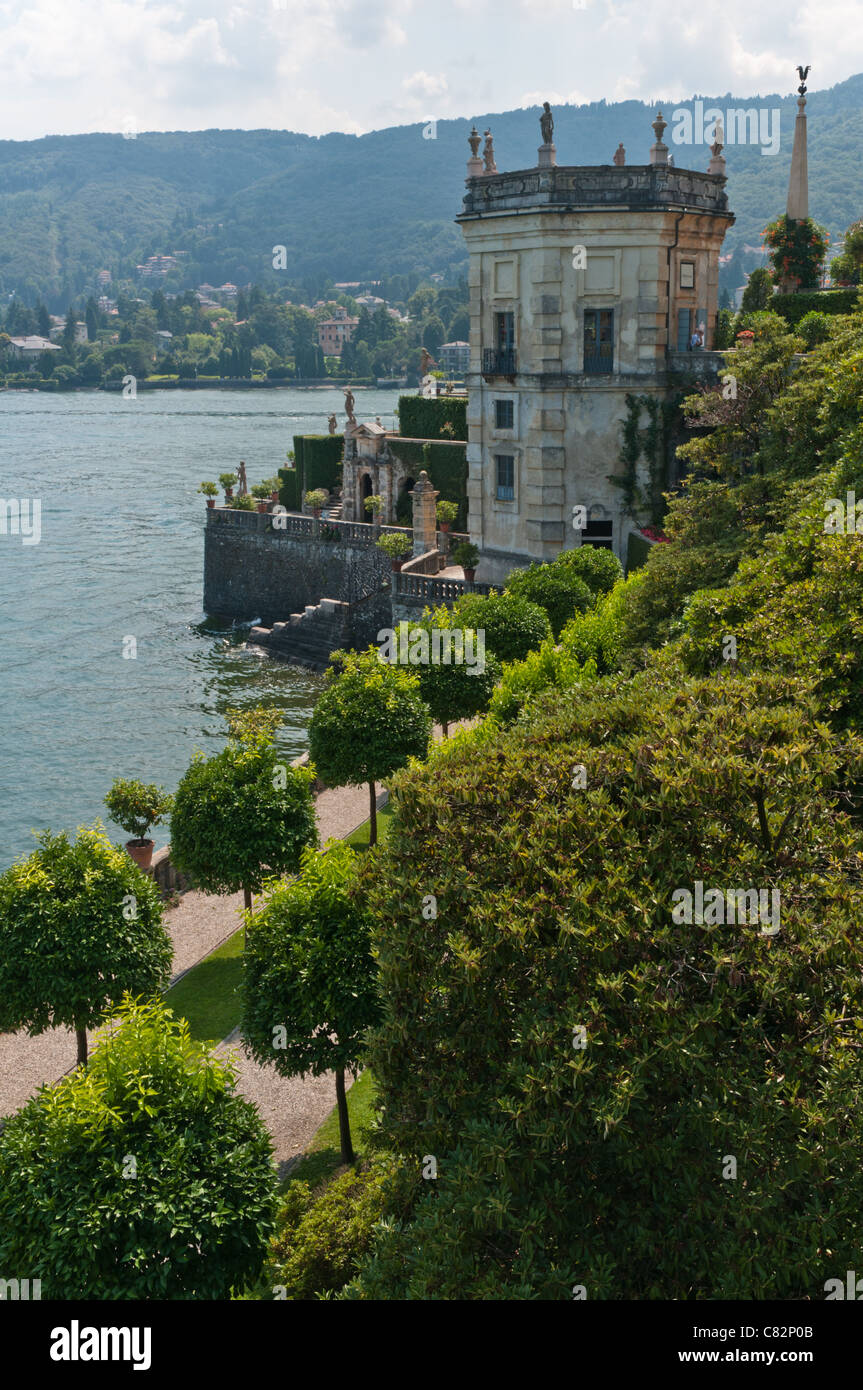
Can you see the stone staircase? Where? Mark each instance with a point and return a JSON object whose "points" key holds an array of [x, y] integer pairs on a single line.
{"points": [[333, 509], [307, 638]]}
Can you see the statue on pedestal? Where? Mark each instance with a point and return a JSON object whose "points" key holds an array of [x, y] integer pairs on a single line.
{"points": [[242, 485], [488, 154], [331, 424], [349, 407], [620, 156], [546, 124]]}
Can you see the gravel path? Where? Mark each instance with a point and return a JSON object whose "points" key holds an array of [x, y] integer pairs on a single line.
{"points": [[292, 1109]]}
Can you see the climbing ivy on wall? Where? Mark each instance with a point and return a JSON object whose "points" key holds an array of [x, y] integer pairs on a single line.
{"points": [[653, 443]]}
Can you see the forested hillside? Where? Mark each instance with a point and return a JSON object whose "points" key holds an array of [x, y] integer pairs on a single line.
{"points": [[344, 206]]}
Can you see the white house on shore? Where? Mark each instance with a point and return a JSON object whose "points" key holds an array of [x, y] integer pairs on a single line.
{"points": [[31, 346]]}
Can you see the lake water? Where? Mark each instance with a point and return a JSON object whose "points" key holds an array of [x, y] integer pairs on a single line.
{"points": [[120, 556]]}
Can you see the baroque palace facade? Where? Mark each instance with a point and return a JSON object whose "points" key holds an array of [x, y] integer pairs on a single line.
{"points": [[587, 283]]}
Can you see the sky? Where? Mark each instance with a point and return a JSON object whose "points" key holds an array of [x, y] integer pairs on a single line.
{"points": [[74, 66]]}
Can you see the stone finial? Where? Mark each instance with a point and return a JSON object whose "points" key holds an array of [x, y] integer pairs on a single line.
{"points": [[717, 158], [423, 500], [659, 151], [474, 164], [620, 156], [488, 154]]}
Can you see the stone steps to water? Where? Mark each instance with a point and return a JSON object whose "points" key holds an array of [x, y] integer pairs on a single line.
{"points": [[308, 638]]}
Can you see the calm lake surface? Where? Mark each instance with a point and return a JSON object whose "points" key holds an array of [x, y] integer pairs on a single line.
{"points": [[121, 555]]}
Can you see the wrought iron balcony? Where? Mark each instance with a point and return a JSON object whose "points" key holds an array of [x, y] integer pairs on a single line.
{"points": [[499, 361]]}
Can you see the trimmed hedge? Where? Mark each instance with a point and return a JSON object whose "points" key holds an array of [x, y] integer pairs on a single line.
{"points": [[792, 307], [318, 460], [423, 417], [290, 492], [446, 465]]}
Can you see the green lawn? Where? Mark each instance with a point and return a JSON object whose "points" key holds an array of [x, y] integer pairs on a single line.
{"points": [[208, 996], [323, 1158], [360, 838]]}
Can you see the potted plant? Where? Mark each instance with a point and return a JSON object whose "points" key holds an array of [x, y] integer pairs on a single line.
{"points": [[446, 514], [316, 498], [396, 546], [211, 492], [135, 807], [374, 505], [272, 485], [467, 555], [227, 481], [246, 503], [261, 493]]}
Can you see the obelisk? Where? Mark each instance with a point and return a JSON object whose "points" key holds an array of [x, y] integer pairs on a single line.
{"points": [[797, 206]]}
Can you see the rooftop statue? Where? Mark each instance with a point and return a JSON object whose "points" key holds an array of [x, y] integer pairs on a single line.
{"points": [[546, 124]]}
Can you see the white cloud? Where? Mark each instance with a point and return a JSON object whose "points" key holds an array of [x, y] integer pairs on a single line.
{"points": [[315, 65]]}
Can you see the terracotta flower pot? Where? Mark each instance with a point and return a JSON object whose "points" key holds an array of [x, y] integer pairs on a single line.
{"points": [[274, 497], [469, 574], [141, 851], [211, 501], [262, 506], [444, 525], [229, 492], [397, 564]]}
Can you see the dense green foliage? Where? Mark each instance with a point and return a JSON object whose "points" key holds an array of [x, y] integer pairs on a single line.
{"points": [[143, 1177], [454, 689], [369, 721], [601, 1165], [241, 815], [513, 625], [80, 925], [323, 1234], [554, 587], [797, 249], [623, 1101]]}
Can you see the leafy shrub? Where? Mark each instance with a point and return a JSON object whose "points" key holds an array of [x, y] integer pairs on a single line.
{"points": [[135, 807], [190, 1219], [513, 625], [555, 588], [599, 568], [564, 1164], [394, 545], [814, 328], [549, 666], [324, 1234]]}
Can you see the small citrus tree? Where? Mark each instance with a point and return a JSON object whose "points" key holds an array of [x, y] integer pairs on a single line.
{"points": [[309, 981], [369, 721], [244, 813], [453, 689], [80, 924], [143, 1177]]}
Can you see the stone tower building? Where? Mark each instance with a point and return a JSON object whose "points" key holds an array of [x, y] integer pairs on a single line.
{"points": [[587, 283]]}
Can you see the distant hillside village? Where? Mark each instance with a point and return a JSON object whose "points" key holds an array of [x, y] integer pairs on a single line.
{"points": [[367, 333]]}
